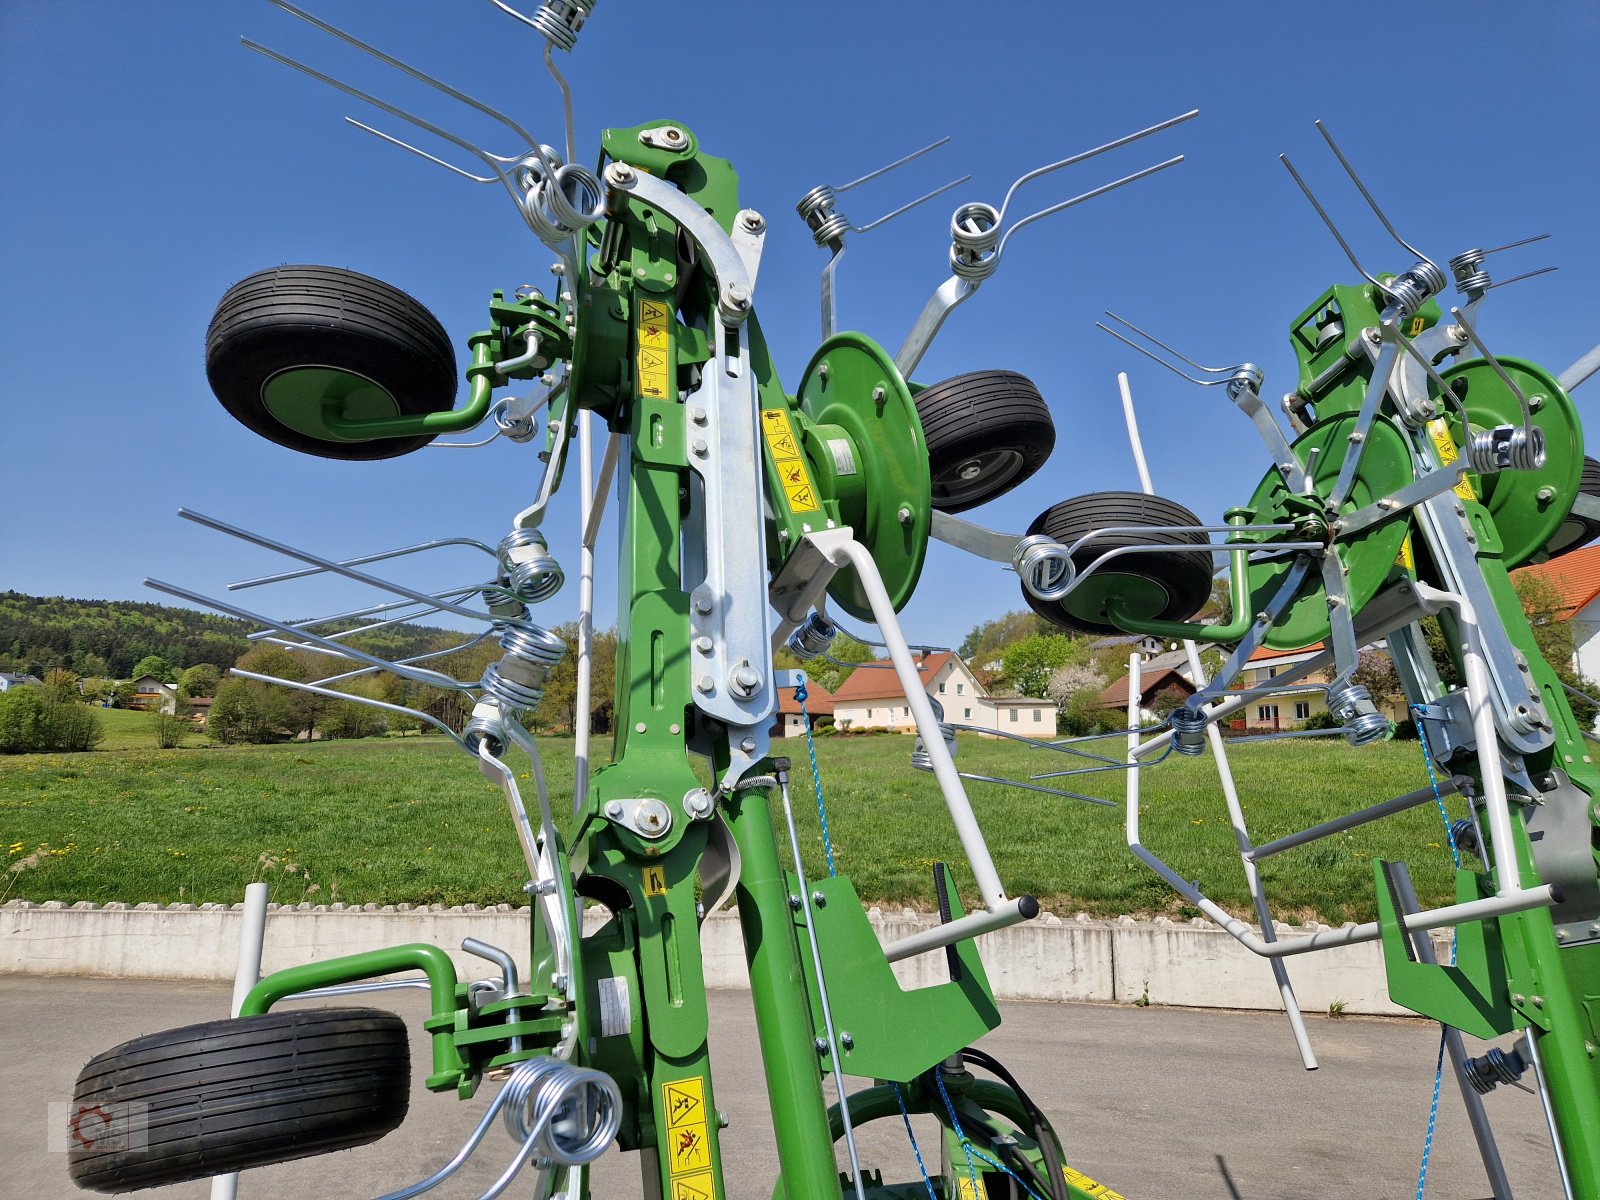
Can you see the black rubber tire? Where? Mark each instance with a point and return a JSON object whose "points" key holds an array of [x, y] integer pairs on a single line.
{"points": [[226, 1095], [1576, 532], [298, 316], [1185, 576], [993, 422]]}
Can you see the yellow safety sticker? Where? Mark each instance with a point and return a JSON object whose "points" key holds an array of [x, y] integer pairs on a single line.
{"points": [[1089, 1187], [793, 475], [966, 1189], [655, 348], [1445, 444], [683, 1103], [694, 1187], [655, 881], [1406, 558]]}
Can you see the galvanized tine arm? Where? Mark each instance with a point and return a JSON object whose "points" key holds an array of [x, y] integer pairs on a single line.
{"points": [[330, 694], [1332, 228], [415, 612], [1477, 342], [1081, 197], [434, 159], [1367, 196], [435, 544]]}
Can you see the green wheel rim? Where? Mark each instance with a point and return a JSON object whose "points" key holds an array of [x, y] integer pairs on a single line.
{"points": [[1369, 557], [853, 385], [300, 397], [1527, 506]]}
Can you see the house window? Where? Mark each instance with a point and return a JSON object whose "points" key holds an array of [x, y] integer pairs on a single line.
{"points": [[1272, 672], [869, 714], [1014, 714], [1302, 709], [1266, 712], [905, 712], [1038, 715], [961, 688], [966, 714], [941, 687]]}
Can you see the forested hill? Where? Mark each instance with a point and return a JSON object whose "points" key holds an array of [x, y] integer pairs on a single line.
{"points": [[107, 638]]}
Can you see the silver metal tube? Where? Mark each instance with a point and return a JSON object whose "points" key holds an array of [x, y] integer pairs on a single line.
{"points": [[252, 935], [972, 925], [1549, 1113], [588, 503], [1388, 808], [1580, 371], [437, 543], [944, 769]]}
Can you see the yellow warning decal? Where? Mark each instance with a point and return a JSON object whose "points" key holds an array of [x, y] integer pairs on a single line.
{"points": [[683, 1105], [793, 475], [655, 348], [694, 1187], [966, 1189], [1407, 557], [1445, 444], [1089, 1187], [655, 881]]}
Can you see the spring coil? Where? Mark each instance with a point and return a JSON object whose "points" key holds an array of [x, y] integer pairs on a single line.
{"points": [[1506, 448], [1471, 279], [975, 241], [1413, 289], [570, 1113], [1489, 1071], [817, 208], [559, 21], [1352, 706], [1044, 567], [535, 575], [514, 686], [1188, 731], [921, 760], [559, 209], [812, 638]]}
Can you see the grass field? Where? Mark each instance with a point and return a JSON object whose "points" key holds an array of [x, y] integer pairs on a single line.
{"points": [[412, 821], [131, 729]]}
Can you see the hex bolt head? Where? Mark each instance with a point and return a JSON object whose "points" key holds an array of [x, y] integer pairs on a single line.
{"points": [[821, 1044], [878, 393], [794, 902], [700, 448], [703, 644], [846, 1040], [1535, 402], [697, 414], [822, 372], [702, 605], [1545, 494], [705, 685], [820, 900], [614, 809], [748, 745], [904, 514]]}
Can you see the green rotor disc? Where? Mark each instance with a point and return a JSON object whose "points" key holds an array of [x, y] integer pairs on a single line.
{"points": [[1369, 556], [852, 387], [298, 398], [1528, 506]]}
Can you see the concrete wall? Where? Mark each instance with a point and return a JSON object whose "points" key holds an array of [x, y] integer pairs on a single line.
{"points": [[1121, 961]]}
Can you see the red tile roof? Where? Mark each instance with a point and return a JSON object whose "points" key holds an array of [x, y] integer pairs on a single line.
{"points": [[881, 682], [1115, 694], [1262, 653], [1575, 576], [819, 700]]}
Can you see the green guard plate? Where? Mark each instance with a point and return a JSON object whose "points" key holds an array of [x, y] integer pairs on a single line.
{"points": [[1368, 557], [298, 397], [852, 383], [1525, 522]]}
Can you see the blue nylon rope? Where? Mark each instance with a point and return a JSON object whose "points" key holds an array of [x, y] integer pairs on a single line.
{"points": [[915, 1149], [1455, 857], [816, 776], [955, 1123]]}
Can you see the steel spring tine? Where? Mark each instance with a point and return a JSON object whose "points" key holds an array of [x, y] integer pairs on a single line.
{"points": [[417, 612], [905, 208], [432, 678], [897, 163], [1079, 199], [1085, 155], [1519, 278], [1147, 335], [420, 76], [493, 162], [434, 159], [1155, 358], [1367, 196], [406, 662], [1034, 787], [383, 585], [1121, 766], [1332, 228], [1027, 741], [566, 100], [1477, 342], [367, 700], [362, 560]]}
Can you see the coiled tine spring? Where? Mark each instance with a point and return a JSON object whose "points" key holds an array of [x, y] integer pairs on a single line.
{"points": [[818, 208], [1473, 281]]}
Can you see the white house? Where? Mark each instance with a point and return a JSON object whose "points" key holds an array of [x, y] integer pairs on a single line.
{"points": [[9, 681], [150, 692], [873, 699], [1576, 577]]}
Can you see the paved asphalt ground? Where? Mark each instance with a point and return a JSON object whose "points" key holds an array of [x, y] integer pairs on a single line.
{"points": [[1160, 1104]]}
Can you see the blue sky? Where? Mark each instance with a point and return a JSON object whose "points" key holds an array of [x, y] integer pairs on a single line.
{"points": [[149, 162]]}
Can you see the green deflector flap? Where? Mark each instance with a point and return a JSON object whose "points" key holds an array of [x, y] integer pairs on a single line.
{"points": [[893, 1033], [1472, 995]]}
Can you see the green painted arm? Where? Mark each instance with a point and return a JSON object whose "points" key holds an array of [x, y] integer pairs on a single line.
{"points": [[1238, 594], [482, 375]]}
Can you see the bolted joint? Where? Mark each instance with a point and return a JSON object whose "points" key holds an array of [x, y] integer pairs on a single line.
{"points": [[744, 680]]}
